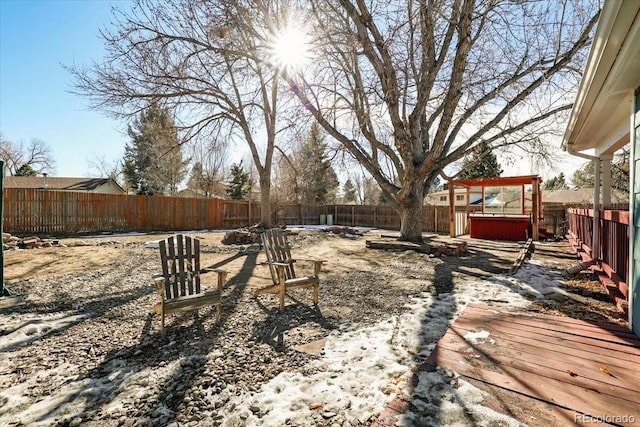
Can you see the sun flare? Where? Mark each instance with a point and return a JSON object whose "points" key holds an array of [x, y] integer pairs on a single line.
{"points": [[291, 49]]}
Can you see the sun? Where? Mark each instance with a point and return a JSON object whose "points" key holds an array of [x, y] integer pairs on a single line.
{"points": [[290, 49]]}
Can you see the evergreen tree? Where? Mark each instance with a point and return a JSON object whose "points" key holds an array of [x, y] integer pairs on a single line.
{"points": [[371, 193], [240, 184], [584, 177], [26, 170], [153, 162], [482, 164], [349, 191], [437, 185], [318, 180], [196, 178], [556, 183]]}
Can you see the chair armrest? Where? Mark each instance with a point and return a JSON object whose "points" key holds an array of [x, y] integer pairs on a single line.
{"points": [[222, 275], [317, 265], [321, 261], [282, 264], [158, 280]]}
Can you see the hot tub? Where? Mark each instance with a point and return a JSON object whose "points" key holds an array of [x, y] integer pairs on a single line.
{"points": [[499, 226]]}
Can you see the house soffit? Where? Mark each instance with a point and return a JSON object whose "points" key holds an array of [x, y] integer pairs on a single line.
{"points": [[600, 117]]}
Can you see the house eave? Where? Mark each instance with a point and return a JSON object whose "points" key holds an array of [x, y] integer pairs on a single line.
{"points": [[600, 115]]}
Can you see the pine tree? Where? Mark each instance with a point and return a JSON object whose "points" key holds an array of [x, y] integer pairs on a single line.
{"points": [[318, 180], [585, 176], [482, 164], [349, 191], [26, 170], [556, 183], [153, 163], [240, 184]]}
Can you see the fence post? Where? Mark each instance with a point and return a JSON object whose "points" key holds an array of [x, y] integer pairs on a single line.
{"points": [[375, 215], [452, 210], [353, 215]]}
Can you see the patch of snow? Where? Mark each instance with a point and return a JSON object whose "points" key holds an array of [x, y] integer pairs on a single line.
{"points": [[37, 328], [361, 369], [479, 337], [358, 372], [443, 398]]}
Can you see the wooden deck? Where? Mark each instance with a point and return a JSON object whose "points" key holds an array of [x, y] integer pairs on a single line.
{"points": [[588, 371]]}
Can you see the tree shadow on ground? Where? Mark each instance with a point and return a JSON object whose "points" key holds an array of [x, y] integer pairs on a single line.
{"points": [[277, 326], [124, 368], [432, 389], [480, 262]]}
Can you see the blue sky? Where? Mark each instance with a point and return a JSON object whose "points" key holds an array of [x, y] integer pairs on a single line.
{"points": [[36, 38]]}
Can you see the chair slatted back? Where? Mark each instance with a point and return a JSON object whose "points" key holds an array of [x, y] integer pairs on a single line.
{"points": [[180, 258], [276, 248]]}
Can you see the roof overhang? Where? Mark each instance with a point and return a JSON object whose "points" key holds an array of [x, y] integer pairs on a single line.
{"points": [[599, 119]]}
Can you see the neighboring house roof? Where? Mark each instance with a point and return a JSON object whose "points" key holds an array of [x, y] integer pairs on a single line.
{"points": [[600, 115], [434, 198], [59, 183], [457, 191], [488, 201], [579, 196]]}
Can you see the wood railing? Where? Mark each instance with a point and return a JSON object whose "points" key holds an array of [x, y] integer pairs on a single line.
{"points": [[613, 255]]}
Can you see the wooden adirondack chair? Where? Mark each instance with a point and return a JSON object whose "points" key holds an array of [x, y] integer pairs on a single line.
{"points": [[179, 284], [281, 263]]}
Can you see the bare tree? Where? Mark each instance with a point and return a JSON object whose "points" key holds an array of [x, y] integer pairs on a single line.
{"points": [[102, 167], [36, 155], [417, 85], [210, 159], [366, 190], [286, 180], [204, 60]]}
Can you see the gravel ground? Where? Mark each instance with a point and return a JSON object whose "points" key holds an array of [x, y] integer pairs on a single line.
{"points": [[90, 336]]}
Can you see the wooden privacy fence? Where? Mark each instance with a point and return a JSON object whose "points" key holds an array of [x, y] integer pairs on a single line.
{"points": [[48, 211]]}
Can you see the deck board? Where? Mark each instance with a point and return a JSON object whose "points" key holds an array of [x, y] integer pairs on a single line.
{"points": [[579, 350], [612, 333], [567, 336], [587, 368], [553, 366]]}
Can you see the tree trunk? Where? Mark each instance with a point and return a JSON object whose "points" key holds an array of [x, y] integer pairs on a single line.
{"points": [[411, 219], [265, 203]]}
